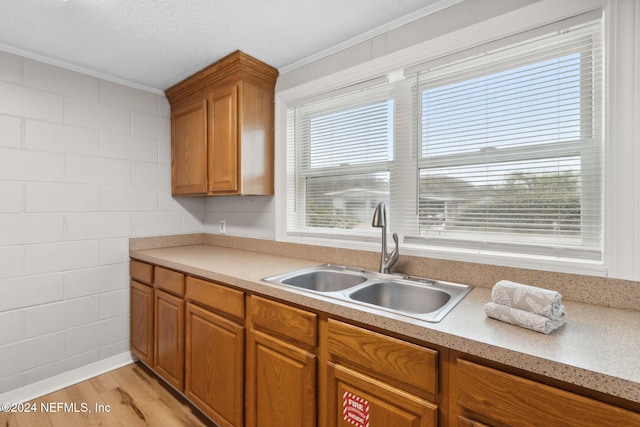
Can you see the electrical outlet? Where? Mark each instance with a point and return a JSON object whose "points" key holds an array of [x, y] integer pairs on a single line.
{"points": [[223, 226]]}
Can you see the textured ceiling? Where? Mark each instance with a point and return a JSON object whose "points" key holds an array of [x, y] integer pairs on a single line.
{"points": [[157, 43]]}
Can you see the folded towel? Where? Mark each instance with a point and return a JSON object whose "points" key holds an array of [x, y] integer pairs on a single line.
{"points": [[528, 298], [526, 319]]}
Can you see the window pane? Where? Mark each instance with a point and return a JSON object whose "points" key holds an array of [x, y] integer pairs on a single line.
{"points": [[356, 136], [511, 200], [535, 104], [345, 202]]}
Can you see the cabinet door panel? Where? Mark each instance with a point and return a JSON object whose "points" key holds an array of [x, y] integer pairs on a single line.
{"points": [[223, 141], [169, 338], [189, 148], [353, 396], [500, 398], [214, 366], [282, 383], [142, 322]]}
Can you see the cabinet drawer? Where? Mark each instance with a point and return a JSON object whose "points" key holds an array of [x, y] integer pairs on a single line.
{"points": [[218, 297], [170, 281], [141, 271], [298, 325], [494, 396], [391, 359]]}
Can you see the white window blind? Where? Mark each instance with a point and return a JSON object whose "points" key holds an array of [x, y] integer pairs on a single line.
{"points": [[498, 150], [511, 148], [340, 155]]}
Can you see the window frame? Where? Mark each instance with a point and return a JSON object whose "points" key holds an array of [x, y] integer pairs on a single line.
{"points": [[620, 209], [580, 147]]}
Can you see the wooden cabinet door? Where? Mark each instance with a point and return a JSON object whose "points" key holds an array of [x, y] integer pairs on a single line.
{"points": [[215, 366], [500, 398], [141, 323], [281, 383], [355, 398], [169, 338], [223, 140], [189, 148]]}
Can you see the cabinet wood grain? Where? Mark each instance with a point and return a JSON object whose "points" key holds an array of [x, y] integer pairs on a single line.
{"points": [[218, 297], [223, 140], [169, 281], [281, 384], [141, 324], [501, 399], [377, 402], [215, 366], [169, 338], [141, 272], [290, 323], [189, 157], [398, 362]]}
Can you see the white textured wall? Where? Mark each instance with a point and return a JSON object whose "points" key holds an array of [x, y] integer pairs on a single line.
{"points": [[84, 165]]}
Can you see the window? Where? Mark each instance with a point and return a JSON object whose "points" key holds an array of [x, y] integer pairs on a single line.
{"points": [[340, 169], [496, 151]]}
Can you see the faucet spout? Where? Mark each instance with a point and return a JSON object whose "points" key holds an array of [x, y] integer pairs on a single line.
{"points": [[380, 220]]}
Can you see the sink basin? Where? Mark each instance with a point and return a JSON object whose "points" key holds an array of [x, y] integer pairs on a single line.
{"points": [[402, 296], [325, 278], [428, 300]]}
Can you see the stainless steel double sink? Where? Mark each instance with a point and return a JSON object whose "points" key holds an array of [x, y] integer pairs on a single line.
{"points": [[424, 299]]}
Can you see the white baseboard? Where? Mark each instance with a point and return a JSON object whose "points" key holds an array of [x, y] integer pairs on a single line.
{"points": [[44, 387]]}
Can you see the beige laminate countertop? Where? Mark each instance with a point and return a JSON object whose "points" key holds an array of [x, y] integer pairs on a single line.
{"points": [[599, 347]]}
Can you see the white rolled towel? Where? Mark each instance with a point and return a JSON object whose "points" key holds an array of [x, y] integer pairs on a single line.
{"points": [[539, 301], [522, 318]]}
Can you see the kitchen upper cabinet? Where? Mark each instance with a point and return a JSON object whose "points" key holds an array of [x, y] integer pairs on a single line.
{"points": [[222, 124], [281, 365]]}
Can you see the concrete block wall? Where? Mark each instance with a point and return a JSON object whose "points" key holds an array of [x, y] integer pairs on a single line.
{"points": [[84, 166]]}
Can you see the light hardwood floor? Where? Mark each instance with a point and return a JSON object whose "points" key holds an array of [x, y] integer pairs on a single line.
{"points": [[128, 396]]}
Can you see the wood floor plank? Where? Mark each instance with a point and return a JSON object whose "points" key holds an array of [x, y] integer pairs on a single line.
{"points": [[8, 419], [130, 396], [137, 383], [124, 407], [104, 382]]}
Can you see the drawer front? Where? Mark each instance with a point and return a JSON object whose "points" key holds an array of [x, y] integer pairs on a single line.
{"points": [[218, 297], [141, 271], [298, 325], [170, 281], [494, 396], [395, 361]]}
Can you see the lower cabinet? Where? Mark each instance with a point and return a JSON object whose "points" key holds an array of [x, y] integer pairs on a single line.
{"points": [[246, 360], [378, 380], [281, 365], [485, 396], [169, 338], [141, 309], [215, 351]]}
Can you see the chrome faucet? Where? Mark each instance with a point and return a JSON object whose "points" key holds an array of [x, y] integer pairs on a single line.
{"points": [[380, 220]]}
